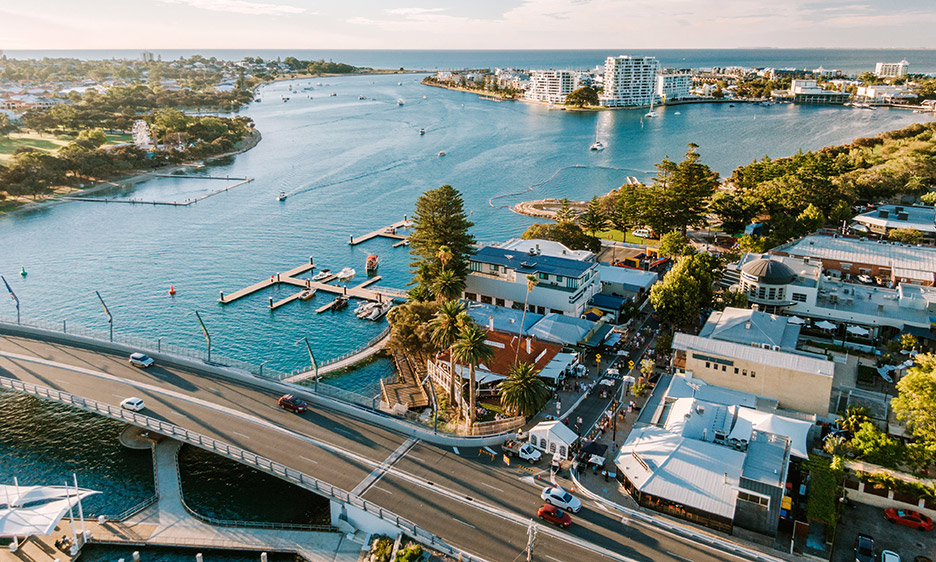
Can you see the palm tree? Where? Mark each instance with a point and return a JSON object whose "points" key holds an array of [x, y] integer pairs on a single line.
{"points": [[445, 255], [523, 392], [532, 281], [853, 416], [447, 285], [471, 349], [445, 327]]}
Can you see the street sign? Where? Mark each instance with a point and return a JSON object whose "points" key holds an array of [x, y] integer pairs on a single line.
{"points": [[630, 364], [597, 357]]}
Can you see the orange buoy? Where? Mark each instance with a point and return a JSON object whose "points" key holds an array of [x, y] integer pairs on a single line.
{"points": [[171, 290]]}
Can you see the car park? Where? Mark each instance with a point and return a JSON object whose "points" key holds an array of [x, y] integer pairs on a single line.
{"points": [[141, 360], [292, 403], [555, 495], [133, 404], [864, 548], [908, 518], [554, 515]]}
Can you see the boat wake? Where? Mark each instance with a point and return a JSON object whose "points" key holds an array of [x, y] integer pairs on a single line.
{"points": [[554, 176]]}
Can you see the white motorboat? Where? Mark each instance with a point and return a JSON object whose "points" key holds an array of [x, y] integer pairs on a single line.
{"points": [[333, 94], [379, 310], [400, 102], [441, 153], [597, 145], [346, 273], [364, 309], [362, 97], [422, 131], [282, 196], [323, 274], [307, 294]]}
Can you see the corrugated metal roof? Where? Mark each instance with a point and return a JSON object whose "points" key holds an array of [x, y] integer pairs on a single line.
{"points": [[522, 262], [782, 359], [853, 250]]}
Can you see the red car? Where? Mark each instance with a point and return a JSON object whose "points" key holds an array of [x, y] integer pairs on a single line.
{"points": [[908, 518], [292, 403], [554, 515]]}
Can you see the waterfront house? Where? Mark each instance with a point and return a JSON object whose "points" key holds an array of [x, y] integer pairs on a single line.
{"points": [[499, 276], [808, 92]]}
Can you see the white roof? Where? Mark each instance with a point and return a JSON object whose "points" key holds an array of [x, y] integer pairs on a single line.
{"points": [[44, 508], [627, 276], [691, 472], [860, 251], [782, 359], [546, 248], [919, 217], [750, 420], [554, 430]]}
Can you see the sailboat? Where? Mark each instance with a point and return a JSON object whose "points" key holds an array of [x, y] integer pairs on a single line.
{"points": [[651, 113]]}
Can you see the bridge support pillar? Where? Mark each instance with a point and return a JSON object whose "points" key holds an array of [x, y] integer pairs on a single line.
{"points": [[345, 517]]}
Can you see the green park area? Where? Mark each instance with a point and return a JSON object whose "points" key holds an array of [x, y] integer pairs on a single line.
{"points": [[45, 142], [619, 236]]}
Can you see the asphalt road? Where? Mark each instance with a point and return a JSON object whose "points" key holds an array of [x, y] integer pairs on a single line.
{"points": [[477, 504]]}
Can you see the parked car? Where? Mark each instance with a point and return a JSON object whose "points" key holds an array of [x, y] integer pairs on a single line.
{"points": [[864, 548], [642, 233], [866, 279], [525, 451], [133, 404], [889, 556], [141, 360], [292, 403], [555, 495], [909, 518], [554, 515]]}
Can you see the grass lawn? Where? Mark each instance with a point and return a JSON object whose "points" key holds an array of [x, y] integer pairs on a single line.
{"points": [[619, 236], [47, 142]]}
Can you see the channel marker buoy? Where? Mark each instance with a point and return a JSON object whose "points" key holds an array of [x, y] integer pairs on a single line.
{"points": [[172, 290], [23, 272]]}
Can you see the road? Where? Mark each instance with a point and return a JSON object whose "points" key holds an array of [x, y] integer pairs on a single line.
{"points": [[472, 502]]}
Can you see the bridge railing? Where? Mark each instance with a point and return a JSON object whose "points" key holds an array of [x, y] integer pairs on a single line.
{"points": [[246, 457]]}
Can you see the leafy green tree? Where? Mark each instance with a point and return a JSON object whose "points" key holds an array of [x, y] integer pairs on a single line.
{"points": [[6, 126], [733, 211], [568, 234], [853, 416], [726, 298], [811, 219], [447, 285], [929, 198], [905, 236], [836, 445], [686, 290], [440, 220], [840, 213], [915, 404], [565, 212], [593, 219], [752, 244], [91, 138], [445, 327], [908, 342], [674, 244], [688, 189], [873, 445], [471, 349], [582, 97], [523, 392], [409, 327]]}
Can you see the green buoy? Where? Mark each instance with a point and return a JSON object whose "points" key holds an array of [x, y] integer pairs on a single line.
{"points": [[23, 272]]}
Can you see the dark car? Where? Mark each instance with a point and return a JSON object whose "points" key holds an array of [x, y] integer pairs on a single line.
{"points": [[554, 515], [292, 403], [909, 518], [864, 548]]}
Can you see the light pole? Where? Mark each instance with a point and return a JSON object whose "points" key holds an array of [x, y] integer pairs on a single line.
{"points": [[204, 331], [311, 359], [262, 363], [14, 297], [110, 317]]}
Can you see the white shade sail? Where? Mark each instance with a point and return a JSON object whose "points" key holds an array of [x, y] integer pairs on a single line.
{"points": [[35, 510], [825, 325], [858, 331]]}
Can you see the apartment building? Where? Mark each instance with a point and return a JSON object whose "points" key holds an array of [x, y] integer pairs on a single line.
{"points": [[891, 69], [551, 86], [629, 81], [673, 86]]}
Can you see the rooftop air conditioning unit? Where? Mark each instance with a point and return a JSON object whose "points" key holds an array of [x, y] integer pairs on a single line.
{"points": [[902, 216], [776, 348], [883, 214]]}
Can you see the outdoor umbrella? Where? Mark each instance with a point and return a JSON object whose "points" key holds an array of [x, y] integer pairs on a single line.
{"points": [[857, 331], [825, 325], [796, 320]]}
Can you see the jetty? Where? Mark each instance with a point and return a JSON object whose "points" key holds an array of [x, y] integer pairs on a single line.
{"points": [[403, 390], [389, 231], [183, 203]]}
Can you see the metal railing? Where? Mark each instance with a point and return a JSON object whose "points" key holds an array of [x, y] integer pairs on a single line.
{"points": [[246, 457], [373, 341]]}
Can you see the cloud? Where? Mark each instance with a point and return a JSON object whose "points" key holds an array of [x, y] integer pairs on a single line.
{"points": [[413, 11], [239, 7]]}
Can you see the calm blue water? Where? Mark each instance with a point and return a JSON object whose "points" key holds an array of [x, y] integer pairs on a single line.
{"points": [[352, 166], [847, 60]]}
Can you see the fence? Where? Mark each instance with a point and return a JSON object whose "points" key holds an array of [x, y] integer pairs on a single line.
{"points": [[246, 457]]}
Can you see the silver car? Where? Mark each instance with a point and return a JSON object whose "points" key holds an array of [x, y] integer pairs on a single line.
{"points": [[141, 360]]}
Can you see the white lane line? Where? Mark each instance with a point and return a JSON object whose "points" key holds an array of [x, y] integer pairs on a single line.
{"points": [[492, 487], [678, 557], [463, 523], [456, 450], [307, 459], [241, 434], [343, 430], [415, 458], [384, 490], [553, 558]]}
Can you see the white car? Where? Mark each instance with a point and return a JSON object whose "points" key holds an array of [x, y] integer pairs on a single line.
{"points": [[890, 556], [642, 233], [866, 279], [555, 495], [141, 360], [133, 404]]}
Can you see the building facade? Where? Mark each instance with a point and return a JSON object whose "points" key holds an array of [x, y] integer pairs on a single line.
{"points": [[673, 86], [629, 81], [564, 286], [808, 92], [551, 86], [881, 221], [891, 69]]}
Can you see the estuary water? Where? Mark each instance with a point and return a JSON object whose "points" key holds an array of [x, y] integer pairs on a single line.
{"points": [[351, 166]]}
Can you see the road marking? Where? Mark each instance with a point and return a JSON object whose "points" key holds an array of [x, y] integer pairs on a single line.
{"points": [[343, 430], [414, 457], [463, 523], [308, 459], [384, 490], [456, 450], [492, 487], [241, 434], [553, 558], [678, 557], [383, 467]]}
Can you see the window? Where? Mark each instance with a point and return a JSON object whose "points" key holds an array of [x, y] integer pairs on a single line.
{"points": [[487, 300], [552, 447], [744, 372], [759, 500], [736, 370], [562, 452], [772, 293], [544, 276], [471, 296], [492, 268], [559, 279], [799, 297], [499, 302], [543, 443], [724, 368], [753, 374], [761, 292], [475, 266], [708, 365]]}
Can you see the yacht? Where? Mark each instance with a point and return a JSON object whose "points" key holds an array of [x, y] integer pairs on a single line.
{"points": [[346, 273], [677, 113], [378, 310], [651, 113], [364, 309], [422, 131], [371, 265], [307, 294], [597, 145], [321, 275], [441, 153], [400, 102], [282, 196], [362, 97], [333, 94], [399, 83]]}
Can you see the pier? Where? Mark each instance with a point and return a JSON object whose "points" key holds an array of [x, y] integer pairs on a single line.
{"points": [[185, 203], [389, 231]]}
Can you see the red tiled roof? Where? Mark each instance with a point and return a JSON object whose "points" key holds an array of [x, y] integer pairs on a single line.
{"points": [[505, 352]]}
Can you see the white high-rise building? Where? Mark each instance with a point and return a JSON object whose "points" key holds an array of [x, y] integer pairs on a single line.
{"points": [[891, 69], [629, 81], [673, 86], [551, 85]]}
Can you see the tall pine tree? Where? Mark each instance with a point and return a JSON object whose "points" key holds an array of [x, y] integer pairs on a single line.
{"points": [[440, 220]]}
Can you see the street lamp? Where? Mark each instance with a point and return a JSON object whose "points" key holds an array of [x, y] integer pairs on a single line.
{"points": [[110, 317], [311, 359], [204, 331], [14, 297]]}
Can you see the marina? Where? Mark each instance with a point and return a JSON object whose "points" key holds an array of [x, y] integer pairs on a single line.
{"points": [[385, 232]]}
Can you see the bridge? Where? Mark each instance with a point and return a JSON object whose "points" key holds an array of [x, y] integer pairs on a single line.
{"points": [[379, 473]]}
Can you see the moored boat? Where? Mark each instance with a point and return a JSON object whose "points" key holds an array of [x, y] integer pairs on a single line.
{"points": [[307, 294], [341, 301], [346, 273], [321, 275], [371, 264], [378, 311]]}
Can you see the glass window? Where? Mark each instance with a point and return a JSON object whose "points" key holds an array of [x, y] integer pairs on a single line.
{"points": [[544, 276], [753, 374], [708, 365]]}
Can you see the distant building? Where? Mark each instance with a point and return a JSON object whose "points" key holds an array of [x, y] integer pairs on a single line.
{"points": [[629, 81], [884, 94], [499, 276], [891, 69], [827, 73], [673, 86], [551, 85], [884, 219], [808, 92], [755, 352], [146, 56]]}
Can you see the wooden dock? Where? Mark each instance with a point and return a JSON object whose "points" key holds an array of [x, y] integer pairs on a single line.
{"points": [[288, 277], [388, 231], [404, 388]]}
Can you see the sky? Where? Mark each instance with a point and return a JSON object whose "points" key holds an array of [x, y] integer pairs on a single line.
{"points": [[465, 24]]}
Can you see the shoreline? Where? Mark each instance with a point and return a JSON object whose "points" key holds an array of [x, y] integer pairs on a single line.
{"points": [[252, 140]]}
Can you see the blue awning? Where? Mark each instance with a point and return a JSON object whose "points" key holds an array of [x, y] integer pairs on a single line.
{"points": [[608, 302]]}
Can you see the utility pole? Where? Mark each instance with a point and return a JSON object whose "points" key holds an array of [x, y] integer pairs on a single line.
{"points": [[110, 317], [311, 359], [204, 331], [14, 297], [531, 540]]}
